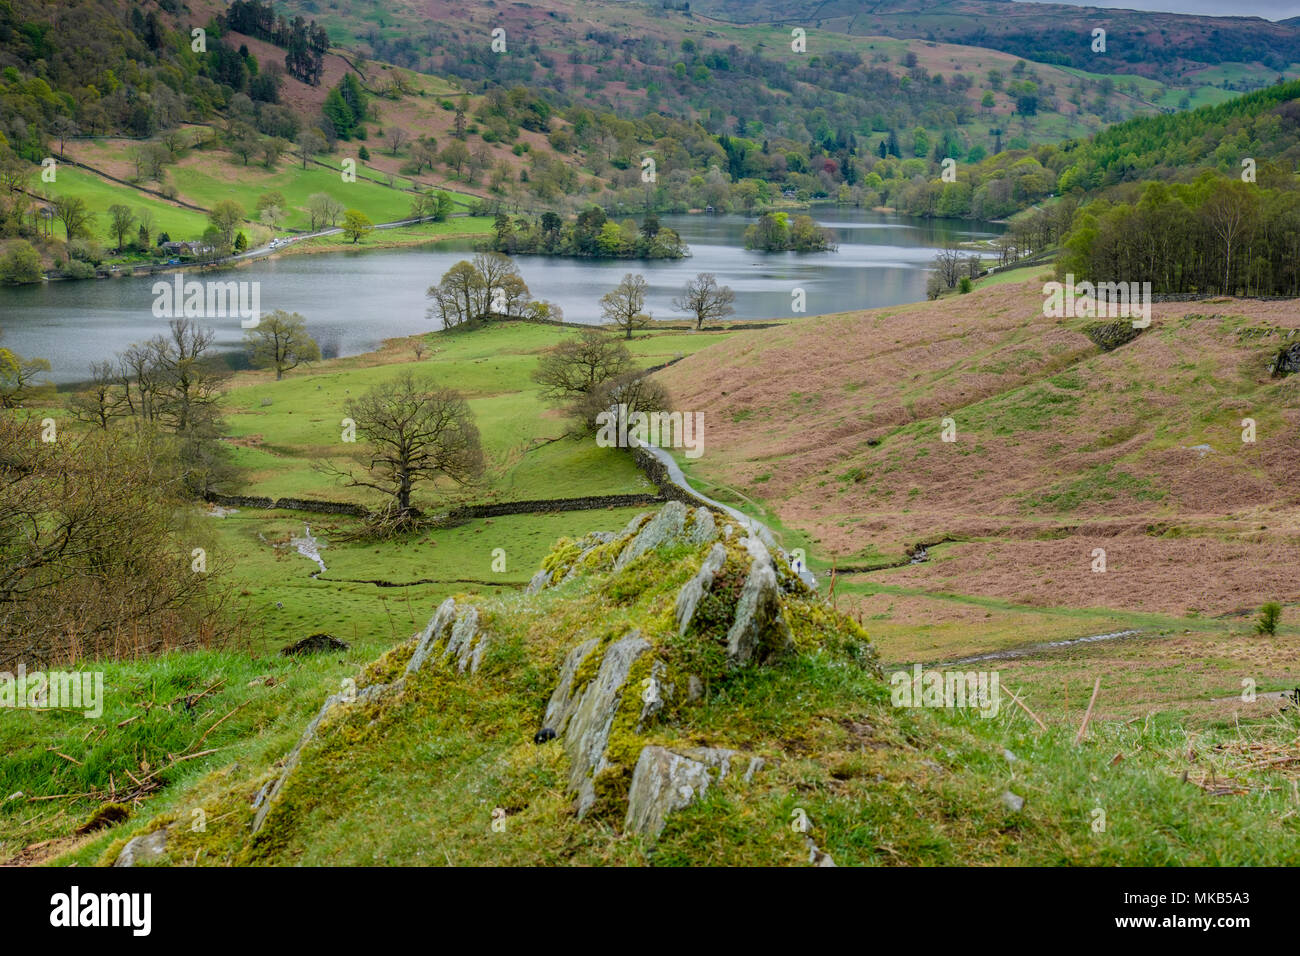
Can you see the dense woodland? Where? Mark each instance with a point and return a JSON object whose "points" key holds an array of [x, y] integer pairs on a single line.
{"points": [[1214, 235]]}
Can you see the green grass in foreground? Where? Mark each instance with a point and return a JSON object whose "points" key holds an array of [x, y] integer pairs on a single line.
{"points": [[415, 779]]}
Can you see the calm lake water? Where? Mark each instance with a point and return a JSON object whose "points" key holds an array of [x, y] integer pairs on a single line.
{"points": [[355, 300]]}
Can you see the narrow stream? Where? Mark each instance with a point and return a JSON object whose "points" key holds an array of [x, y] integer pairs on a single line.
{"points": [[1014, 652], [309, 548]]}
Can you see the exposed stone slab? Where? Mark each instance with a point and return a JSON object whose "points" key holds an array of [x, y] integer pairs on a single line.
{"points": [[760, 628], [664, 781], [464, 633], [654, 694], [703, 527], [668, 524], [143, 848], [438, 624], [688, 598], [587, 733], [561, 705]]}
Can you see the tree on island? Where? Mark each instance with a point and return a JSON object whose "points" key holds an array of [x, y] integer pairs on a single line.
{"points": [[775, 232]]}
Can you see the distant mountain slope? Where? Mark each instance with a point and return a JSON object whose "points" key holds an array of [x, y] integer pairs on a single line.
{"points": [[1143, 42]]}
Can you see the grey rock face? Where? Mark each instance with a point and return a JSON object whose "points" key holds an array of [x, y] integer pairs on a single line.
{"points": [[760, 628], [661, 783], [817, 856], [634, 525], [587, 733], [141, 849], [1013, 802], [668, 524], [438, 625], [466, 643], [694, 688], [562, 703], [538, 581], [654, 694], [1286, 362], [703, 527], [688, 598], [664, 781]]}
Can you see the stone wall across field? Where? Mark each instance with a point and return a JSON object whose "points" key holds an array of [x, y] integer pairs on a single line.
{"points": [[541, 506], [464, 512], [1202, 296], [289, 504]]}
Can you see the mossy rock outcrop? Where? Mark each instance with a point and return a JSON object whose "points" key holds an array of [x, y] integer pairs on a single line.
{"points": [[619, 637], [1109, 336]]}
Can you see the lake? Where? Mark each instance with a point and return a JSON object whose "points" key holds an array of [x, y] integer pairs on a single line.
{"points": [[354, 300]]}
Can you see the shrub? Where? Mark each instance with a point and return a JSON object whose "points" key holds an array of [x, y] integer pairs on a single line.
{"points": [[21, 263], [1269, 616]]}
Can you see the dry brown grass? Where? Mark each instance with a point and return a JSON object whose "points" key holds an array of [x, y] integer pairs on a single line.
{"points": [[1060, 448]]}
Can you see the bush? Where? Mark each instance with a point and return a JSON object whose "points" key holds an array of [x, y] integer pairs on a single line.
{"points": [[1269, 616], [21, 263], [86, 250], [363, 154], [965, 285]]}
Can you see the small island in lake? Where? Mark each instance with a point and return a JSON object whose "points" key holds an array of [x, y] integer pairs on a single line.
{"points": [[591, 234], [774, 232]]}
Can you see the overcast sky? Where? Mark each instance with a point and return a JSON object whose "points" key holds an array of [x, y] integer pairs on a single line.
{"points": [[1270, 9]]}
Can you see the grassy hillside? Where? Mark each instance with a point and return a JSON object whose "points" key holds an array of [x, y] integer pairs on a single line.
{"points": [[1060, 449], [442, 769], [1182, 768]]}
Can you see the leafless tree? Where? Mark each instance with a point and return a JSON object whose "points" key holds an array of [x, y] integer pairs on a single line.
{"points": [[578, 365], [704, 297], [416, 431], [623, 306]]}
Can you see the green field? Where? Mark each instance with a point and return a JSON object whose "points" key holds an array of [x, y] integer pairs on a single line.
{"points": [[492, 367], [207, 183], [101, 193], [207, 180]]}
